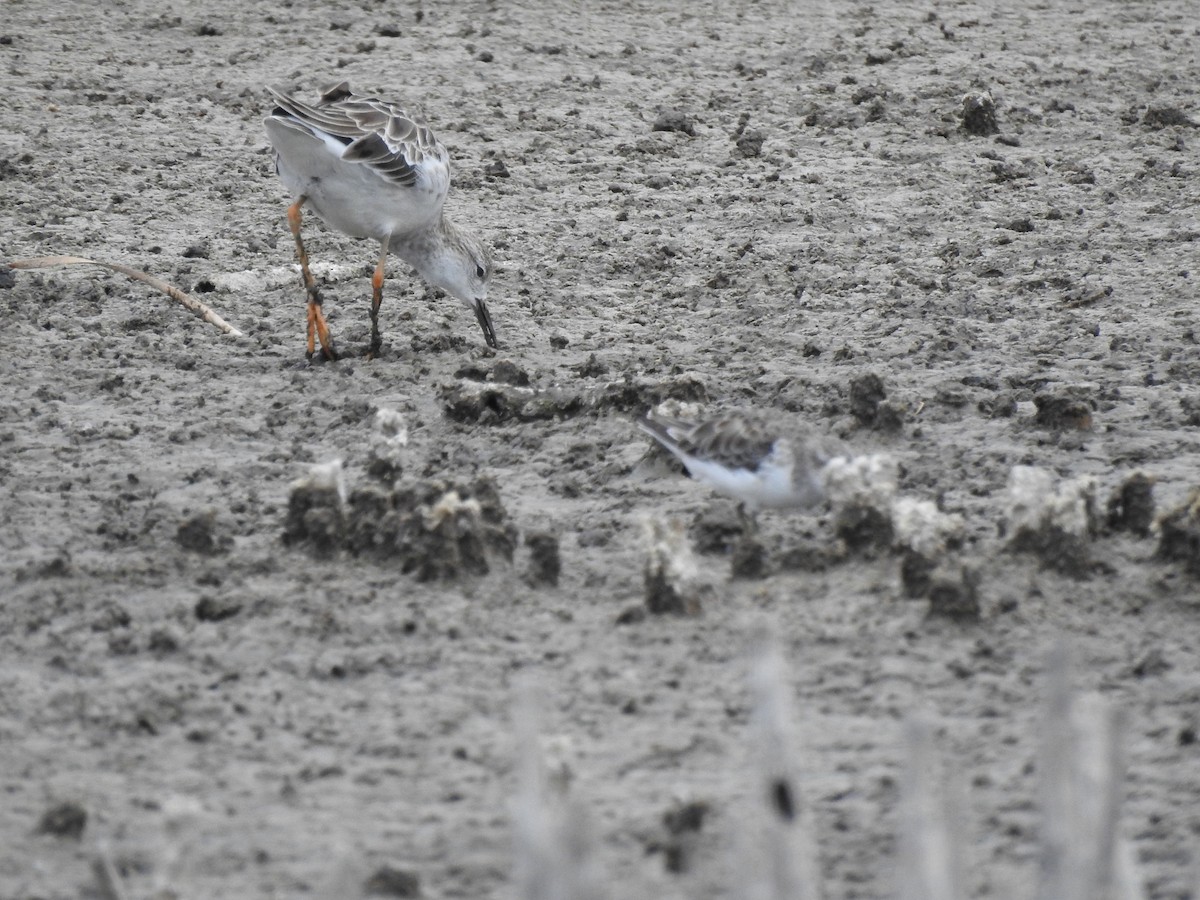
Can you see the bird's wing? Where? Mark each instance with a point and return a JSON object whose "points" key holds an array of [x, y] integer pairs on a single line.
{"points": [[376, 133], [734, 440]]}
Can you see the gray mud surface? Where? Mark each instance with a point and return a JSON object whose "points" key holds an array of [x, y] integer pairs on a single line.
{"points": [[240, 715]]}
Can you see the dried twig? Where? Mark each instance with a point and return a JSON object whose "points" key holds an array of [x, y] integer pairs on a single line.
{"points": [[1082, 769], [200, 309], [108, 879], [929, 861], [790, 841], [552, 844]]}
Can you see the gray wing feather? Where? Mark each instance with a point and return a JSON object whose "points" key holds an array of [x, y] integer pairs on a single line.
{"points": [[377, 133]]}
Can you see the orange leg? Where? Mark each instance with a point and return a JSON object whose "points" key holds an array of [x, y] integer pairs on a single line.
{"points": [[376, 299], [316, 318]]}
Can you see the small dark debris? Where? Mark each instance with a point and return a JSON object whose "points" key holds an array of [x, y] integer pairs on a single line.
{"points": [[717, 528], [315, 517], [1179, 534], [64, 820], [7, 279], [199, 534], [196, 251], [1153, 663], [1131, 506], [868, 404], [750, 142], [388, 881], [864, 529], [1158, 117], [916, 574], [545, 562], [486, 56], [686, 818], [979, 114], [591, 367], [1002, 405], [1060, 412], [1058, 550], [632, 615], [783, 799], [496, 169], [559, 342], [809, 556], [674, 120], [866, 393], [216, 609], [1021, 226], [663, 597], [682, 824], [162, 641], [954, 594], [111, 616], [389, 30], [506, 371], [749, 558], [207, 30]]}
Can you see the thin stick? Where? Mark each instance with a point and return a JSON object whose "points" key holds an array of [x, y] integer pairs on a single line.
{"points": [[552, 843], [200, 309], [789, 840], [108, 879], [1084, 856], [928, 850]]}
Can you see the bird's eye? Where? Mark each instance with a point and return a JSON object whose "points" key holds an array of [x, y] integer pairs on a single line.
{"points": [[479, 273]]}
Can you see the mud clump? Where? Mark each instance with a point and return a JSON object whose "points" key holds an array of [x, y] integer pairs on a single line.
{"points": [[749, 558], [916, 574], [200, 534], [315, 516], [682, 825], [389, 441], [865, 529], [447, 529], [216, 609], [1061, 412], [716, 528], [64, 820], [545, 562], [389, 881], [1159, 117], [670, 576], [1179, 539], [979, 114], [434, 529], [954, 593], [1054, 522], [674, 120], [1131, 506], [494, 402], [870, 406]]}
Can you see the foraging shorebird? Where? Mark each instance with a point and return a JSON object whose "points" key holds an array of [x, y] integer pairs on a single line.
{"points": [[369, 169], [750, 458]]}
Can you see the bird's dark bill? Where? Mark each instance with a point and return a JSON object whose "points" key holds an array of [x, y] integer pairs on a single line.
{"points": [[484, 318]]}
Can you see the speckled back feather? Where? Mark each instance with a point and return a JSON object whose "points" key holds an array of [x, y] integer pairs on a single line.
{"points": [[735, 439], [377, 133]]}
